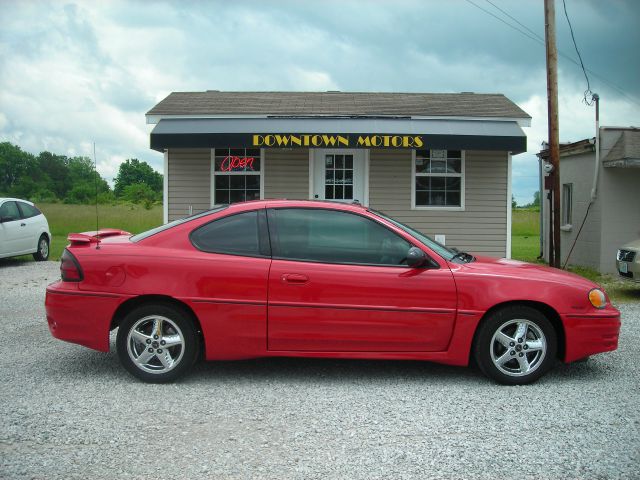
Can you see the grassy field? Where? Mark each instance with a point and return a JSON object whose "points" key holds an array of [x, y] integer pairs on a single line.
{"points": [[525, 235]]}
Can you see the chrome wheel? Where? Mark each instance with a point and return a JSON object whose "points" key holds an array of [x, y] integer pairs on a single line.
{"points": [[155, 344], [43, 248], [518, 347]]}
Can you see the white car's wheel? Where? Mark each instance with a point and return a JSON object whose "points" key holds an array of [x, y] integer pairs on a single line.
{"points": [[42, 253]]}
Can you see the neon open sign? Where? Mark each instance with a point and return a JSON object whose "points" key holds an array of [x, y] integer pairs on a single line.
{"points": [[230, 164]]}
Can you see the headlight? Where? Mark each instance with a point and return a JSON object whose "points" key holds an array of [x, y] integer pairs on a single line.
{"points": [[597, 298]]}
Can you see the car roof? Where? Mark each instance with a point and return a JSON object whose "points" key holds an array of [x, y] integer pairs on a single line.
{"points": [[15, 199], [283, 203]]}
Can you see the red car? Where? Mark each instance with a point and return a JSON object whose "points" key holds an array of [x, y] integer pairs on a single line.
{"points": [[318, 279]]}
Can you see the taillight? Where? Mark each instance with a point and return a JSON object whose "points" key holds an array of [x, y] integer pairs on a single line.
{"points": [[69, 267]]}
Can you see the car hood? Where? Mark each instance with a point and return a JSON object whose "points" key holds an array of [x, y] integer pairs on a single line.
{"points": [[523, 270]]}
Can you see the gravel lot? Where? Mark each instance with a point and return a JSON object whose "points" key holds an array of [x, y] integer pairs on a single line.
{"points": [[70, 412]]}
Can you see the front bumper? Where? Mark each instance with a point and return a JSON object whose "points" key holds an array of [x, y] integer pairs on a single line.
{"points": [[588, 334], [80, 317], [629, 270]]}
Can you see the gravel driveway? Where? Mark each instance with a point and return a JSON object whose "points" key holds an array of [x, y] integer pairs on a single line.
{"points": [[70, 412]]}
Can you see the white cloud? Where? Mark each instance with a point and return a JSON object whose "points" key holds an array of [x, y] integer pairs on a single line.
{"points": [[310, 80], [79, 72]]}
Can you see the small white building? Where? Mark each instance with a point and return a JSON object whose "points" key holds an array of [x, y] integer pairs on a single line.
{"points": [[613, 218]]}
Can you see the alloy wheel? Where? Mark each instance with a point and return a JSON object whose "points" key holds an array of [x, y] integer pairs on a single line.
{"points": [[518, 347], [155, 344]]}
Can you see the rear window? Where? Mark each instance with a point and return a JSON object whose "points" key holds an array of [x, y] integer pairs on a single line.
{"points": [[175, 223], [28, 211], [235, 235]]}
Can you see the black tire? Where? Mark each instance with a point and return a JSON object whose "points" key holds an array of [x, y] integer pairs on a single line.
{"points": [[161, 355], [503, 354], [42, 253]]}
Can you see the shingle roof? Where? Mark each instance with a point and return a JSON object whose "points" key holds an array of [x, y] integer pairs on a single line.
{"points": [[626, 150], [338, 104]]}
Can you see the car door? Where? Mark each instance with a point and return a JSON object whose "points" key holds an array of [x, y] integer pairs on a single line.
{"points": [[338, 284], [32, 219], [12, 236]]}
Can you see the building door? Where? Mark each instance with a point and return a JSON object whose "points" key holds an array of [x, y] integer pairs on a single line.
{"points": [[339, 174]]}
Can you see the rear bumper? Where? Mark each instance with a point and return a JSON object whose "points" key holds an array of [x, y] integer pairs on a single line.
{"points": [[80, 317], [590, 334]]}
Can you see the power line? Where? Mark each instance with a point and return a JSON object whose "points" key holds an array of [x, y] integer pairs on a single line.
{"points": [[516, 20], [587, 98], [538, 39], [504, 21]]}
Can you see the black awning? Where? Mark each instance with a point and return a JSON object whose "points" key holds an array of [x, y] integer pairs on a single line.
{"points": [[338, 133]]}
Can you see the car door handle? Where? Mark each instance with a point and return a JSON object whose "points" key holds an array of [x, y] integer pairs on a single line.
{"points": [[23, 224], [295, 278]]}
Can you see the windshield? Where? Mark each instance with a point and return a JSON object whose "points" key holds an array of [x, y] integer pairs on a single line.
{"points": [[440, 249], [166, 226]]}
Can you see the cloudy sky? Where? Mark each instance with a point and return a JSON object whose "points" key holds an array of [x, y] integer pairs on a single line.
{"points": [[75, 72]]}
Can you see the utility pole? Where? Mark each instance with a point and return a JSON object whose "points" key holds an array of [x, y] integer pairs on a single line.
{"points": [[554, 140]]}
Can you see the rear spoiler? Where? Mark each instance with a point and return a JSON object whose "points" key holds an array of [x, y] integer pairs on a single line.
{"points": [[94, 237]]}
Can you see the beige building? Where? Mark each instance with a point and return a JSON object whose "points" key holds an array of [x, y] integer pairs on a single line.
{"points": [[610, 213], [438, 162]]}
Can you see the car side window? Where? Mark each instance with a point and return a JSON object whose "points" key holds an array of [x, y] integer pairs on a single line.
{"points": [[238, 234], [9, 210], [28, 211], [332, 236]]}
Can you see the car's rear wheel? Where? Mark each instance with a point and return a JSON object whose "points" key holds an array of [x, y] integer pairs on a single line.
{"points": [[157, 343], [42, 253], [515, 345]]}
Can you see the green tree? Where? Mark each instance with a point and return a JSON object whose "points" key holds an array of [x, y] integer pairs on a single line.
{"points": [[49, 177], [133, 171], [55, 168], [15, 164], [514, 204], [140, 193], [536, 199]]}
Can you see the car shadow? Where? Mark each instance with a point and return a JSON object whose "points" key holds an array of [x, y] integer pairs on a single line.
{"points": [[105, 367], [16, 261], [329, 371]]}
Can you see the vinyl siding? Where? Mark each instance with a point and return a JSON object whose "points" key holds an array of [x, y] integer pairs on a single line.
{"points": [[286, 174], [189, 181], [481, 228]]}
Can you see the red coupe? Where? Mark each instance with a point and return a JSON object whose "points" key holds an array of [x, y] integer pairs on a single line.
{"points": [[318, 279]]}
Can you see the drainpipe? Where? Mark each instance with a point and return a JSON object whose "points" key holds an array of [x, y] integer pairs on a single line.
{"points": [[596, 173]]}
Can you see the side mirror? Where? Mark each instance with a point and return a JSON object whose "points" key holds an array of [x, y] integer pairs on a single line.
{"points": [[6, 219], [416, 257]]}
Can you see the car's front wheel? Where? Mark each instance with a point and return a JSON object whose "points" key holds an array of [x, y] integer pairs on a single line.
{"points": [[515, 345], [157, 343], [42, 253]]}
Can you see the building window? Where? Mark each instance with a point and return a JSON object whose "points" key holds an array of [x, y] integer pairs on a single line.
{"points": [[236, 175], [338, 184], [438, 179], [567, 203]]}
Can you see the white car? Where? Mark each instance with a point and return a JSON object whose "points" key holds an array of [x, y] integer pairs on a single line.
{"points": [[628, 261], [23, 230]]}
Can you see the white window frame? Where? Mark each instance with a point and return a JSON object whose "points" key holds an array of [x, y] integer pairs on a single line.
{"points": [[443, 208], [213, 173]]}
